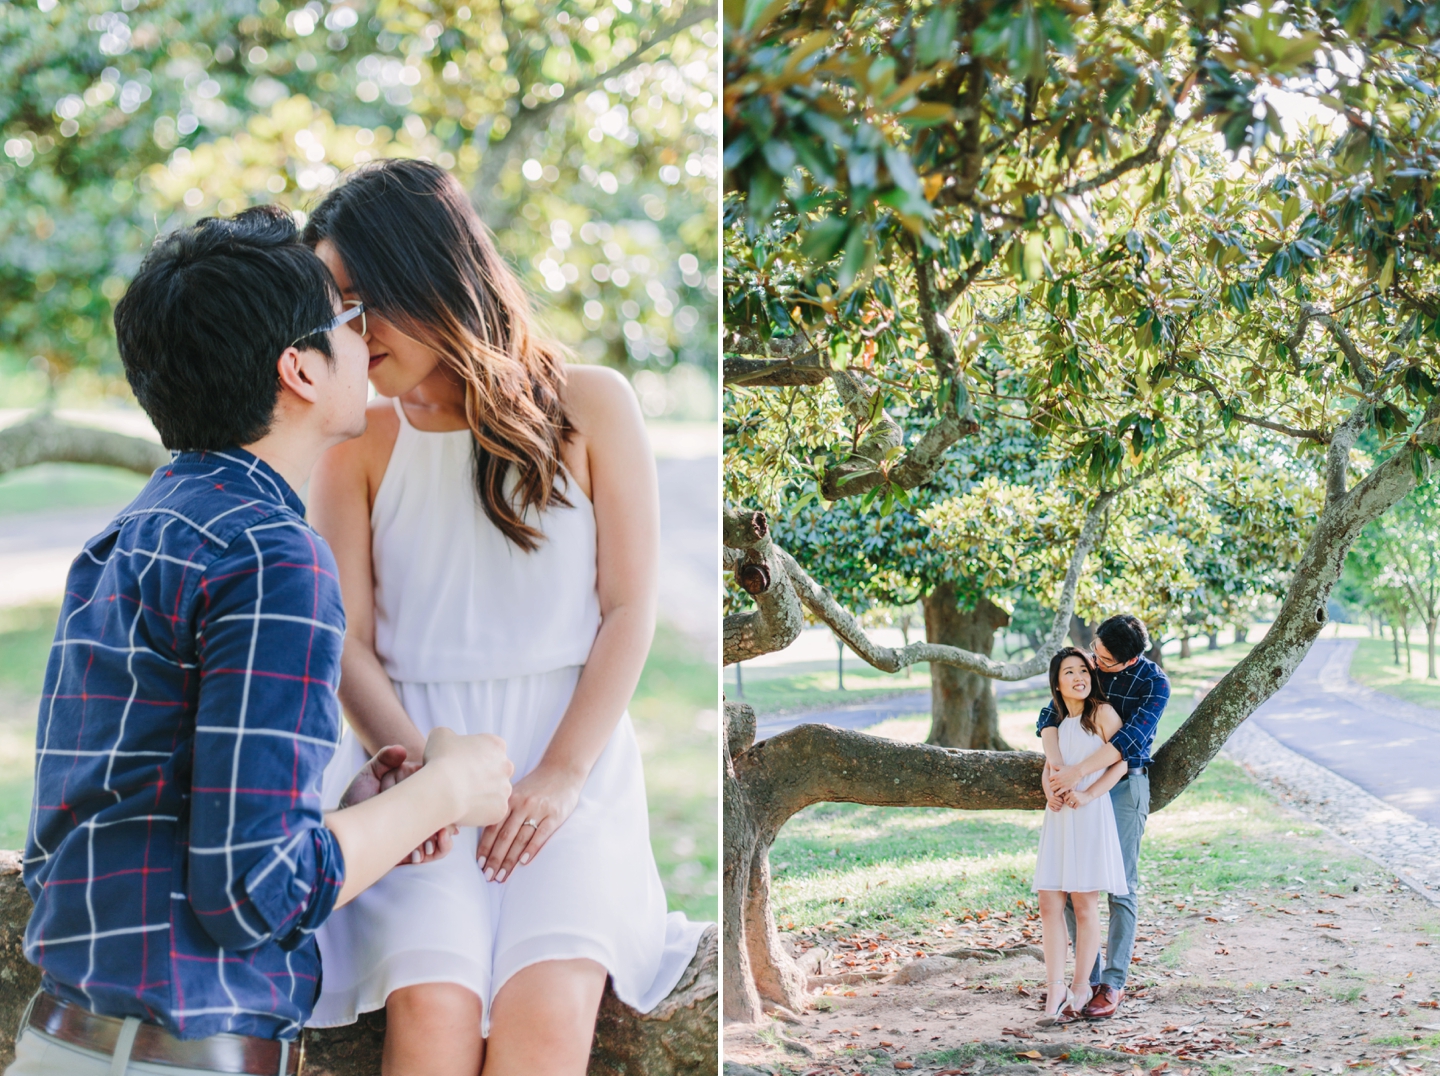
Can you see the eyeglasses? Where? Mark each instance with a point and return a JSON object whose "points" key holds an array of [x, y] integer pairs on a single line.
{"points": [[354, 308]]}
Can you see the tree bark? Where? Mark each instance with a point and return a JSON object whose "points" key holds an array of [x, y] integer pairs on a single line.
{"points": [[1430, 626], [1395, 642], [1184, 647], [1242, 632], [962, 703], [679, 1037], [1081, 633], [1214, 643], [43, 438]]}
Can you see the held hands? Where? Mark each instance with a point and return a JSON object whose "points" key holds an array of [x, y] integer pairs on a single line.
{"points": [[1053, 799], [540, 802], [390, 766], [479, 772]]}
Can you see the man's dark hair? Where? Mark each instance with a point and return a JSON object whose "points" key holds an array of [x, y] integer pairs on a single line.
{"points": [[1124, 636], [206, 318]]}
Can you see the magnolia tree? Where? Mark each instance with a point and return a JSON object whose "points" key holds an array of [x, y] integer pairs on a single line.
{"points": [[938, 214], [585, 131]]}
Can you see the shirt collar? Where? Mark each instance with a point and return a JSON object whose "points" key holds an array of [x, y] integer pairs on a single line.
{"points": [[257, 476]]}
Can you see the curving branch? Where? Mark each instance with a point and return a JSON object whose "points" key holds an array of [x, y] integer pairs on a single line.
{"points": [[43, 438], [777, 618], [843, 623]]}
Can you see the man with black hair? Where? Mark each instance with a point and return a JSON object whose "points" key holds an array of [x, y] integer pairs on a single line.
{"points": [[178, 856], [1139, 690]]}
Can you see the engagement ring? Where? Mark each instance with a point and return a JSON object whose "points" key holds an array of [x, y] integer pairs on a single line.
{"points": [[530, 822]]}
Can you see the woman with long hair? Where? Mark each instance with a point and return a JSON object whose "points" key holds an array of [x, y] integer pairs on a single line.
{"points": [[1079, 844], [496, 530]]}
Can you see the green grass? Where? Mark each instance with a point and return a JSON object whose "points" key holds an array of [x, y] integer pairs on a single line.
{"points": [[908, 867], [679, 750], [66, 485], [677, 723], [812, 685], [1374, 665], [25, 635]]}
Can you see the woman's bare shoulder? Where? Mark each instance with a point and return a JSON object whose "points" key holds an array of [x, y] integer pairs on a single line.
{"points": [[1108, 715], [597, 397]]}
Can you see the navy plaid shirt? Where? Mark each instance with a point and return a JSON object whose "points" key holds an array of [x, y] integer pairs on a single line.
{"points": [[1139, 695], [177, 854]]}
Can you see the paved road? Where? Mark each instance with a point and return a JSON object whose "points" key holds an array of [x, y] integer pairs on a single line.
{"points": [[1388, 747], [862, 715], [36, 549]]}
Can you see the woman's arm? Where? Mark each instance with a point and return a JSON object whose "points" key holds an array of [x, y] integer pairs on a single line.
{"points": [[1099, 759], [624, 491], [340, 496], [1050, 744], [1103, 784]]}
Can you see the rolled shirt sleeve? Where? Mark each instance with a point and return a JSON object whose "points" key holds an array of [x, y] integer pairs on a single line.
{"points": [[262, 865]]}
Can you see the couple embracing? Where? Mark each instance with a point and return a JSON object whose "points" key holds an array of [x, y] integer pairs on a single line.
{"points": [[213, 864], [1096, 731]]}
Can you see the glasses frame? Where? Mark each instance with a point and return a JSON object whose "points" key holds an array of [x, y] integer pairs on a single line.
{"points": [[354, 309]]}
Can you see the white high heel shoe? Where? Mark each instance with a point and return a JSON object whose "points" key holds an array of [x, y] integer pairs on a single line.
{"points": [[1060, 999]]}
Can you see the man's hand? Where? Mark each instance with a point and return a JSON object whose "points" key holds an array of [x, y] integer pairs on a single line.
{"points": [[390, 766], [1052, 798], [479, 772], [1066, 778]]}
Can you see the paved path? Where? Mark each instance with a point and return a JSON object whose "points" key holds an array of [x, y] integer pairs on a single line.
{"points": [[1388, 747], [862, 715]]}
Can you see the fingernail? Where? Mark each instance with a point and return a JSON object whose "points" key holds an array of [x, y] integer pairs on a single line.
{"points": [[429, 848], [415, 856], [490, 875], [500, 877], [525, 858], [482, 863]]}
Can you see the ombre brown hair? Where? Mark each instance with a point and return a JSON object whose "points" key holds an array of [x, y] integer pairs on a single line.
{"points": [[1091, 707], [418, 255]]}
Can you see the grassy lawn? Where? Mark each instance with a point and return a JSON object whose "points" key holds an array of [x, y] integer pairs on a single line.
{"points": [[910, 867], [812, 685], [1374, 665], [66, 485], [677, 723]]}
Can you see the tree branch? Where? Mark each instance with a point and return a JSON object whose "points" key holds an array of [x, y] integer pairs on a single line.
{"points": [[42, 438], [777, 617], [892, 659]]}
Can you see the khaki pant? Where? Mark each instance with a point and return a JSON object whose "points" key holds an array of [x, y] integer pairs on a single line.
{"points": [[37, 1054]]}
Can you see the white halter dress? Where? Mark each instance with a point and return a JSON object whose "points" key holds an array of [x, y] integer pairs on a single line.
{"points": [[480, 636], [1080, 846]]}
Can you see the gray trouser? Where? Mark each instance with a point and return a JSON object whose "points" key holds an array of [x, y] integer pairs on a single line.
{"points": [[1131, 802], [37, 1054]]}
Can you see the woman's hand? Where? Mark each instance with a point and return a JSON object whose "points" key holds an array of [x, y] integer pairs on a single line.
{"points": [[543, 797], [1075, 798], [389, 767]]}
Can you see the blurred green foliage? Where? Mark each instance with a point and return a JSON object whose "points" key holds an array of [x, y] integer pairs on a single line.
{"points": [[586, 131]]}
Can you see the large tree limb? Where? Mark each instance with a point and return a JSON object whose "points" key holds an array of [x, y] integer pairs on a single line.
{"points": [[1302, 615], [805, 369], [43, 438]]}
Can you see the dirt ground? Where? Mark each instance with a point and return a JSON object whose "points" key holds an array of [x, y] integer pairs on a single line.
{"points": [[1321, 980]]}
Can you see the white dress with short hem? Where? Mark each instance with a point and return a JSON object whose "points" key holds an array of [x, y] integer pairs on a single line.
{"points": [[1080, 846], [480, 636]]}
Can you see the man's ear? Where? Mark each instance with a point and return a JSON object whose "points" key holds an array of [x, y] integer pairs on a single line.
{"points": [[296, 371]]}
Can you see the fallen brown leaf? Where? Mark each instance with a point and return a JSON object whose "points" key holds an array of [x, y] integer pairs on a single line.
{"points": [[904, 1064], [1033, 1055]]}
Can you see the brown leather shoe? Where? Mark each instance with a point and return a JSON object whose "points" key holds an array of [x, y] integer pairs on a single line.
{"points": [[1104, 1003]]}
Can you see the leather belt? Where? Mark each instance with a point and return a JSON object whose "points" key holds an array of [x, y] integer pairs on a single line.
{"points": [[1133, 770], [219, 1053]]}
